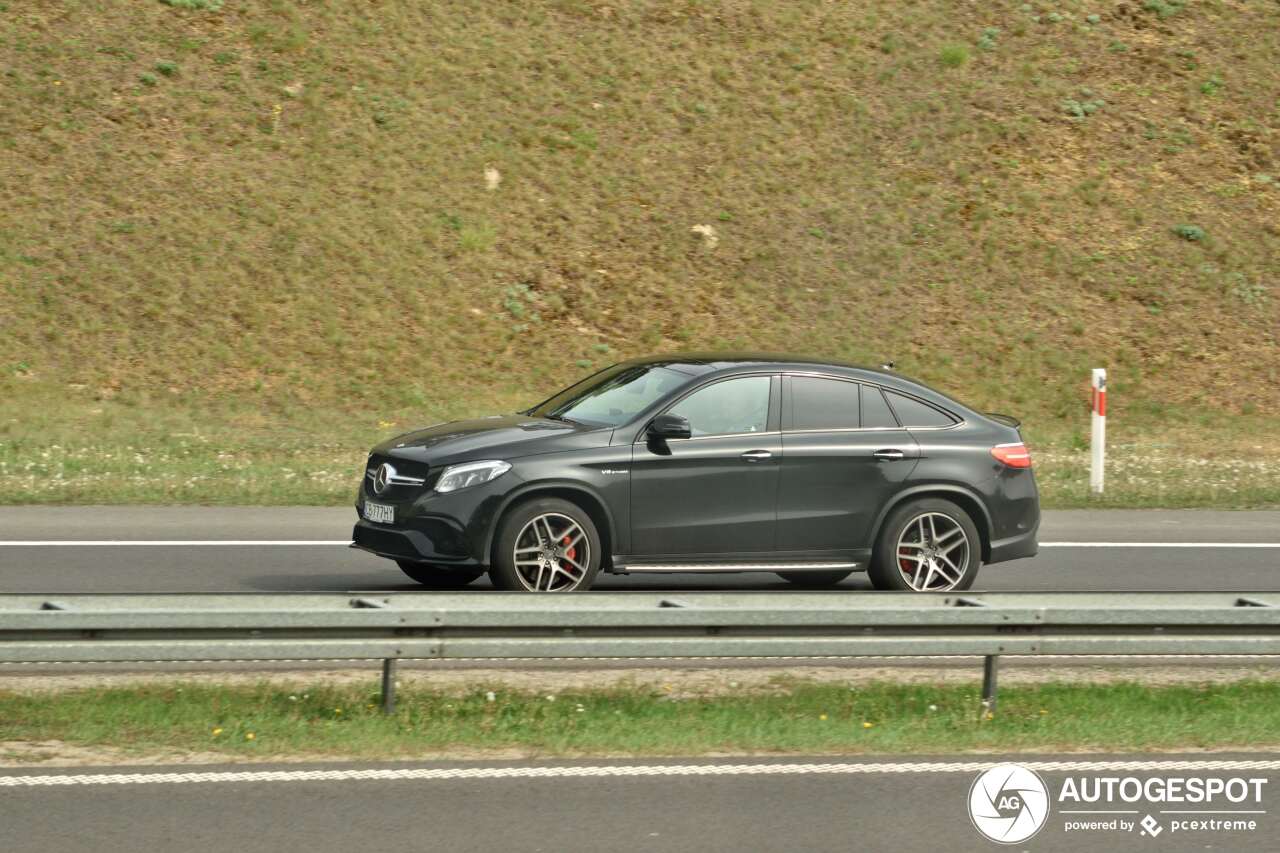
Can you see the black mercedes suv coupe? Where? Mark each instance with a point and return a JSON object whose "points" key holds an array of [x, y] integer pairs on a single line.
{"points": [[708, 463]]}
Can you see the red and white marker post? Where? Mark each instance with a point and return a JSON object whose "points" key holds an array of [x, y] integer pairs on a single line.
{"points": [[1098, 433]]}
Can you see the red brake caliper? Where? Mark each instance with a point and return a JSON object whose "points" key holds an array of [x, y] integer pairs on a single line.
{"points": [[572, 554], [907, 565]]}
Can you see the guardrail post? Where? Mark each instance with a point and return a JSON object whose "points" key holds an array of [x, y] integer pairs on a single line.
{"points": [[990, 669], [389, 686]]}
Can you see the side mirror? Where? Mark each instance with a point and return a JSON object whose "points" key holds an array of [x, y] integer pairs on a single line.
{"points": [[669, 426]]}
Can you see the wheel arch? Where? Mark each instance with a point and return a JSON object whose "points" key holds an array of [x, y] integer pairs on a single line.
{"points": [[592, 504], [964, 498]]}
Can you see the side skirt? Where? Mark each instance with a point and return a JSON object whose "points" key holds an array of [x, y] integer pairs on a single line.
{"points": [[623, 567]]}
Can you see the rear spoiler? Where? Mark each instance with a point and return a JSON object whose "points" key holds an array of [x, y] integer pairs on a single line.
{"points": [[1007, 420]]}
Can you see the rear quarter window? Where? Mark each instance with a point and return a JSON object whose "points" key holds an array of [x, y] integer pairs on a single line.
{"points": [[914, 413]]}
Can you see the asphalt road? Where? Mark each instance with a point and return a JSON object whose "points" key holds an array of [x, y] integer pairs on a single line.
{"points": [[330, 566], [657, 809], [743, 804]]}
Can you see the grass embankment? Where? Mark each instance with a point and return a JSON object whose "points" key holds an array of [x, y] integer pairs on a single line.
{"points": [[792, 718], [241, 241]]}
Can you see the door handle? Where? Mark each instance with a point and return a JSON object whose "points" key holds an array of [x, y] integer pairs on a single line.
{"points": [[889, 455], [757, 455]]}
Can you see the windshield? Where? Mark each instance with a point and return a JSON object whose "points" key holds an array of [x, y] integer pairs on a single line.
{"points": [[613, 396]]}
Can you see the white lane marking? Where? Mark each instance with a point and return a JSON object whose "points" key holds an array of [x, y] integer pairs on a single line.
{"points": [[252, 543], [588, 771]]}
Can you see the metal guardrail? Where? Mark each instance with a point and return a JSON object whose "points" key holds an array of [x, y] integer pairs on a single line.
{"points": [[390, 627]]}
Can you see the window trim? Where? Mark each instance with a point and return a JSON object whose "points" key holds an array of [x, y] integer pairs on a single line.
{"points": [[789, 403]]}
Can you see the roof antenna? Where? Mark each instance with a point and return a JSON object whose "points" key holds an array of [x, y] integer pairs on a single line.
{"points": [[888, 365]]}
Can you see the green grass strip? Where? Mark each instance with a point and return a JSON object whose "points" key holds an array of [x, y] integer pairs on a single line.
{"points": [[794, 717]]}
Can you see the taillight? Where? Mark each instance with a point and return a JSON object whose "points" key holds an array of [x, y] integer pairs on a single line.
{"points": [[1014, 455]]}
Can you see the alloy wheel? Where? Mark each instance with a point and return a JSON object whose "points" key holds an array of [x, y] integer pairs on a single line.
{"points": [[932, 552], [552, 553]]}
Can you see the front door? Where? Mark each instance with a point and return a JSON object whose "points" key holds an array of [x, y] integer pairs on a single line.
{"points": [[712, 496]]}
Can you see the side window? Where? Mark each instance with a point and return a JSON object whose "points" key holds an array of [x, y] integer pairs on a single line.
{"points": [[875, 411], [725, 408], [823, 403], [913, 413]]}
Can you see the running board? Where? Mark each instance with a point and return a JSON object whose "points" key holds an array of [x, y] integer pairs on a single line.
{"points": [[640, 568]]}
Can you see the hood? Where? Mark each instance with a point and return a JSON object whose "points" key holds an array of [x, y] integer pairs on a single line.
{"points": [[497, 437]]}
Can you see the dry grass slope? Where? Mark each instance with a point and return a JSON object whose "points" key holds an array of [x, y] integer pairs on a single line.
{"points": [[230, 226]]}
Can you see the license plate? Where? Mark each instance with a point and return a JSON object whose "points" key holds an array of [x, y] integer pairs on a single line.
{"points": [[380, 513]]}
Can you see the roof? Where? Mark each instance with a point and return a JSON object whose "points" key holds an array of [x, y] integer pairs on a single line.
{"points": [[721, 360], [696, 363]]}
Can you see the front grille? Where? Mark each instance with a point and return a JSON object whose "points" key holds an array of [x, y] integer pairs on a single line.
{"points": [[407, 466], [410, 476]]}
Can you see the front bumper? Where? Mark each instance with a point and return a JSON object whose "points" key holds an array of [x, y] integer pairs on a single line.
{"points": [[430, 541], [446, 529]]}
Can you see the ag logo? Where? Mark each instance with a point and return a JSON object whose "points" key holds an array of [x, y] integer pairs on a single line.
{"points": [[1008, 803]]}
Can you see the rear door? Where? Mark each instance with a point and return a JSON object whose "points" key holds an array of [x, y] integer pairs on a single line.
{"points": [[714, 495], [844, 455]]}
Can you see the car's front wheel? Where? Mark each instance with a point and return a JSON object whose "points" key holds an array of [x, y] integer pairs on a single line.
{"points": [[546, 545], [438, 577], [926, 545]]}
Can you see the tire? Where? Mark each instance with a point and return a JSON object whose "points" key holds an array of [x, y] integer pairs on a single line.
{"points": [[944, 563], [563, 569], [438, 577], [814, 580]]}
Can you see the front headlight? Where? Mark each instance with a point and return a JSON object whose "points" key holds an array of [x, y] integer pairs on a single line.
{"points": [[471, 474]]}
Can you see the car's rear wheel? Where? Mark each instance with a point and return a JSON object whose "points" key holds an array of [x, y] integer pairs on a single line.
{"points": [[926, 545], [814, 580], [438, 577], [546, 545]]}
